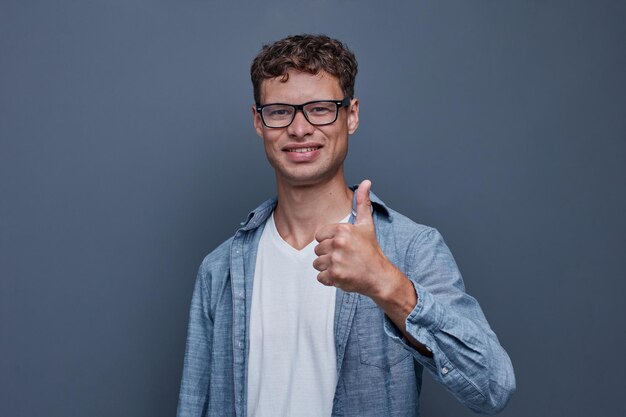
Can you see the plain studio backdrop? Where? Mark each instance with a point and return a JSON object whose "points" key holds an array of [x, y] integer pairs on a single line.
{"points": [[127, 154]]}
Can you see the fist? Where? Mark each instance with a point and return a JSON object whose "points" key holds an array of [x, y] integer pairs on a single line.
{"points": [[349, 256]]}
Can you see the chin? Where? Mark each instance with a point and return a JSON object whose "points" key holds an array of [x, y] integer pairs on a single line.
{"points": [[308, 179]]}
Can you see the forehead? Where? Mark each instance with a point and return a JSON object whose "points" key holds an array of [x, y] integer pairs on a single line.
{"points": [[297, 87]]}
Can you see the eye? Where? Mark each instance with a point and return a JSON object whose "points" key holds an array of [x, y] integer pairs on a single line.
{"points": [[277, 112], [319, 110]]}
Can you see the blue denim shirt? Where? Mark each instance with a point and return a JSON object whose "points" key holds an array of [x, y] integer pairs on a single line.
{"points": [[379, 372]]}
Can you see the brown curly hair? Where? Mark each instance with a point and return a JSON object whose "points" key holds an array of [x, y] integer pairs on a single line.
{"points": [[305, 53]]}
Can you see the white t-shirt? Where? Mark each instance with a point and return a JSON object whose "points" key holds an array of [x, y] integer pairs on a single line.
{"points": [[292, 361]]}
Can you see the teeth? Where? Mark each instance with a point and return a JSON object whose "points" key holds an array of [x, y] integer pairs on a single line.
{"points": [[302, 150]]}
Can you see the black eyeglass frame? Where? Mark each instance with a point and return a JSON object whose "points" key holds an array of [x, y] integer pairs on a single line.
{"points": [[339, 103]]}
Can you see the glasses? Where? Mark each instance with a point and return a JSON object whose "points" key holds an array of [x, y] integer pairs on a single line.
{"points": [[318, 113]]}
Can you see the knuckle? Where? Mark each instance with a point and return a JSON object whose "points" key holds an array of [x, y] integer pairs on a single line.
{"points": [[336, 272], [340, 242], [345, 227]]}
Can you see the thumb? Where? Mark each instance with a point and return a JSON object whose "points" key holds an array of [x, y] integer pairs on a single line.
{"points": [[363, 204]]}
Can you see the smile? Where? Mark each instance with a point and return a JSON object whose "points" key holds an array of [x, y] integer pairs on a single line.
{"points": [[303, 150]]}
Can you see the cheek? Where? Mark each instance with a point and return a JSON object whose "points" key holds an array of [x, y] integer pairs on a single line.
{"points": [[271, 142], [339, 138]]}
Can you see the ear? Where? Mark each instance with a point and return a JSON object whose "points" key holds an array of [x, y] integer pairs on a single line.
{"points": [[353, 115], [258, 123]]}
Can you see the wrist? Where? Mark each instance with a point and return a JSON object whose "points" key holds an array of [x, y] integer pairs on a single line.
{"points": [[395, 290]]}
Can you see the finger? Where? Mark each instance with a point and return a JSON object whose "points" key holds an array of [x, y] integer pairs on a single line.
{"points": [[324, 278], [324, 247], [326, 232], [322, 263], [363, 204]]}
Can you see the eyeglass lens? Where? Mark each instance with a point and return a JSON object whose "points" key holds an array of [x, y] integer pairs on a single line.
{"points": [[319, 113]]}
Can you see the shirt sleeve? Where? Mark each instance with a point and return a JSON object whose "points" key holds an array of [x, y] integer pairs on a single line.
{"points": [[468, 359], [194, 389]]}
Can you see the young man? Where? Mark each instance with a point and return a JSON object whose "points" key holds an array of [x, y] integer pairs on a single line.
{"points": [[327, 302]]}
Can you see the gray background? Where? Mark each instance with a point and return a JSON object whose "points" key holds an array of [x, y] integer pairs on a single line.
{"points": [[127, 153]]}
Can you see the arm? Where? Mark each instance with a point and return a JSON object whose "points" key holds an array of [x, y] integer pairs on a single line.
{"points": [[467, 357], [398, 298], [194, 389], [427, 309]]}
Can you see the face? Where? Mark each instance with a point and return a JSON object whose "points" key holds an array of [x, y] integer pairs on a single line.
{"points": [[302, 154]]}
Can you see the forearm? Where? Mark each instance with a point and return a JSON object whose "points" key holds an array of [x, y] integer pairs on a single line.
{"points": [[428, 312], [465, 355], [397, 299]]}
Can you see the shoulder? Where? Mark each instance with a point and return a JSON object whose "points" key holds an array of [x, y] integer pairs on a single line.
{"points": [[407, 230], [411, 242], [217, 260], [423, 254], [397, 226]]}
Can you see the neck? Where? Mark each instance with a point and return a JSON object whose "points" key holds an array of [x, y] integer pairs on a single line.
{"points": [[301, 211]]}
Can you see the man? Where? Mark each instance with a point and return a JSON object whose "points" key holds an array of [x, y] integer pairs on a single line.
{"points": [[327, 302]]}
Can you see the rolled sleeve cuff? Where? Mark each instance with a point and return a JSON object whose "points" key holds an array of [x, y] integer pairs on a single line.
{"points": [[420, 323]]}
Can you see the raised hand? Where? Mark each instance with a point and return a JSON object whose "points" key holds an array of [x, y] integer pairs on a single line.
{"points": [[349, 256]]}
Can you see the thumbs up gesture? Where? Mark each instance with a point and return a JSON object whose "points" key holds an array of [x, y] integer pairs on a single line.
{"points": [[349, 256]]}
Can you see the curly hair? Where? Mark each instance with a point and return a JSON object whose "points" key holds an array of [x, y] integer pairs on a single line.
{"points": [[305, 53]]}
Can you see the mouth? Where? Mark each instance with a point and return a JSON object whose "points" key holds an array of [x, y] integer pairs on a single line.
{"points": [[303, 150]]}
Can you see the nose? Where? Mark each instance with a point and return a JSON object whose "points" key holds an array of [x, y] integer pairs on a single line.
{"points": [[300, 127]]}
